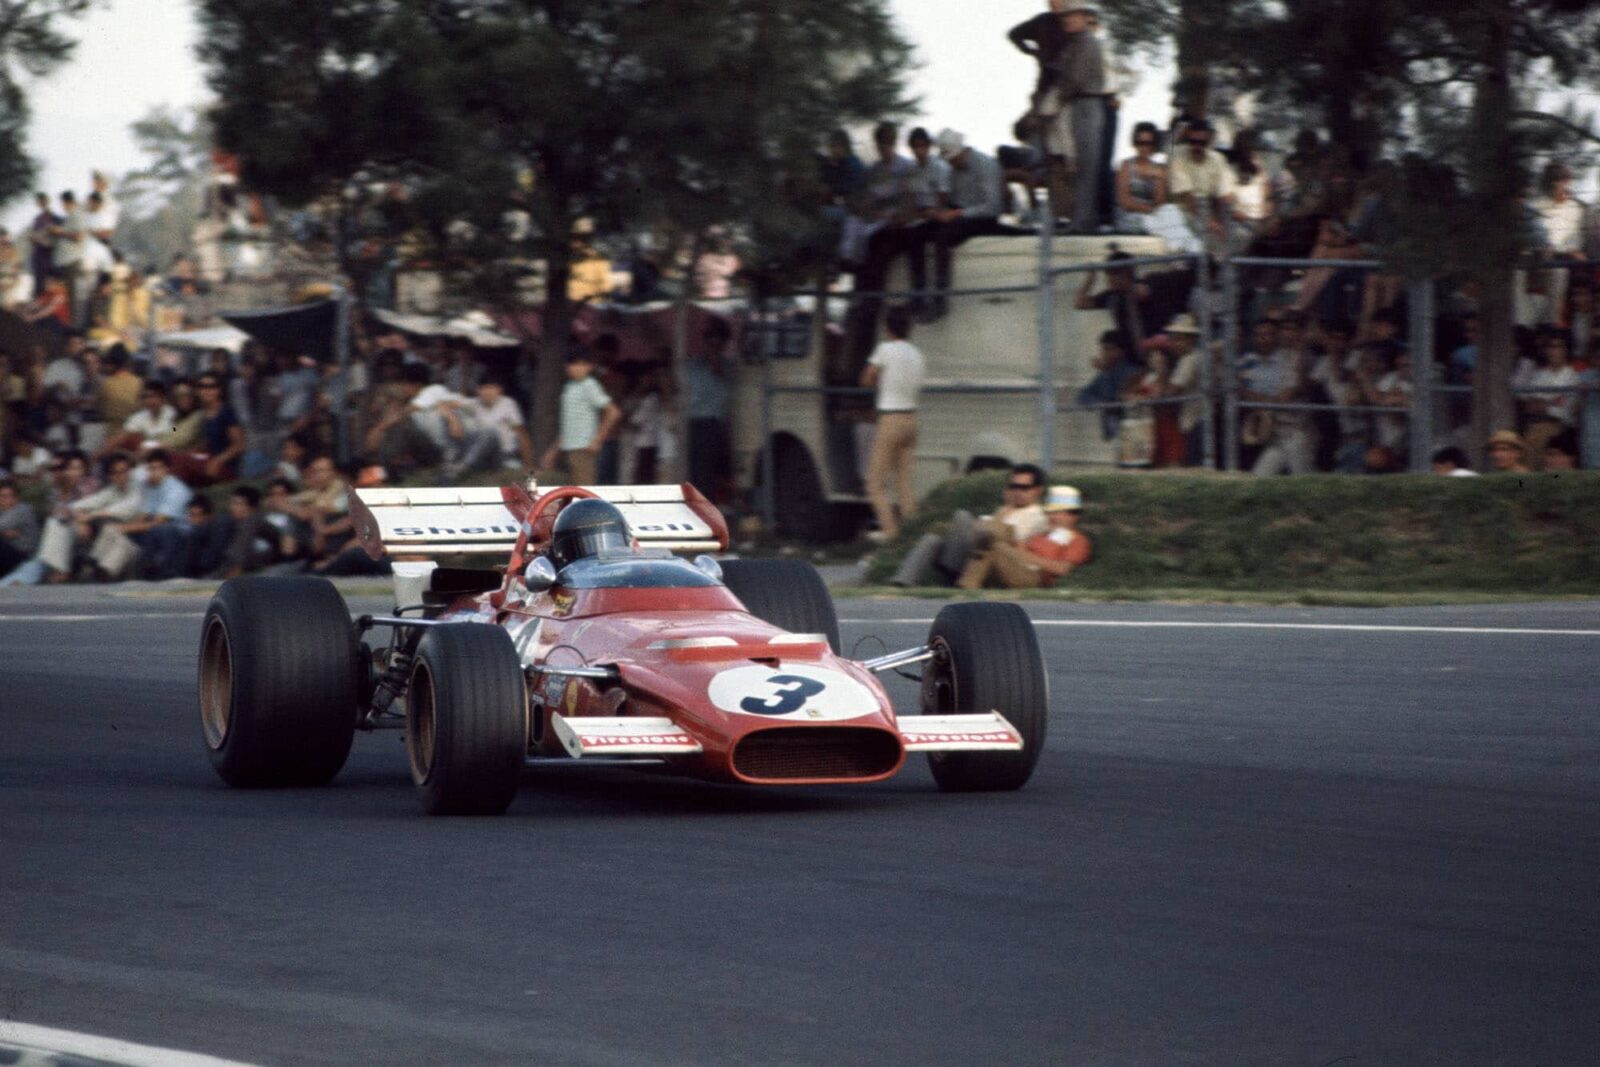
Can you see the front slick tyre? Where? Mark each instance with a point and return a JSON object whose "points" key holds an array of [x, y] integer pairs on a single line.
{"points": [[466, 720], [986, 658], [279, 681]]}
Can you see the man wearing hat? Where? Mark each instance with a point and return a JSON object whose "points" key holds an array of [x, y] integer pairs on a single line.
{"points": [[1041, 559], [1507, 453], [975, 204], [1183, 338], [1069, 104]]}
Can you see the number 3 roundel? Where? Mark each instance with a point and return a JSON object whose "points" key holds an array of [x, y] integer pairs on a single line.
{"points": [[792, 692]]}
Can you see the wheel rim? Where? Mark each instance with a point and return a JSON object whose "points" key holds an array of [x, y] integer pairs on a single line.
{"points": [[216, 683], [421, 724]]}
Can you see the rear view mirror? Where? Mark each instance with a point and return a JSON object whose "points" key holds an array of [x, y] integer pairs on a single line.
{"points": [[539, 575]]}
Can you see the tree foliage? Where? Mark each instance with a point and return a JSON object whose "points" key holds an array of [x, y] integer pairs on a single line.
{"points": [[507, 120], [32, 44]]}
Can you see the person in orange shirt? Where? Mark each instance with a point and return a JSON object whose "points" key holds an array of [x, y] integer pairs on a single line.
{"points": [[1040, 560]]}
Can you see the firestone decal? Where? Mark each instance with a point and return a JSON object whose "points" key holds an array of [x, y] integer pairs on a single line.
{"points": [[793, 692]]}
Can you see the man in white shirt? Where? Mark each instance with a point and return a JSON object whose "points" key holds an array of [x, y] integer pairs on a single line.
{"points": [[1201, 182], [70, 236], [895, 370], [502, 417]]}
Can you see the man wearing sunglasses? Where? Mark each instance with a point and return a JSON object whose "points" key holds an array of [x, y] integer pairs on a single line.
{"points": [[1202, 183], [1018, 518]]}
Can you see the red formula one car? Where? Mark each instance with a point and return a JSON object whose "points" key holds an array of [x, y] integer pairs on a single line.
{"points": [[596, 644]]}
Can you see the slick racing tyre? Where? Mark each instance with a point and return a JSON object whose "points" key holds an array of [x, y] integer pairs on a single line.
{"points": [[788, 593], [280, 680], [466, 720], [986, 658]]}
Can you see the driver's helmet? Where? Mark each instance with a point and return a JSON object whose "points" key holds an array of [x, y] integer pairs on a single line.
{"points": [[584, 528]]}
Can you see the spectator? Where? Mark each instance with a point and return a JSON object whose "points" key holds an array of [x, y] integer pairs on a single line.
{"points": [[1590, 421], [1120, 77], [221, 437], [318, 516], [506, 442], [252, 540], [70, 482], [1561, 452], [19, 528], [1452, 462], [1392, 389], [156, 539], [1041, 560], [588, 416], [1507, 452], [714, 271], [30, 460], [974, 209], [589, 280], [1276, 374], [707, 409], [1123, 297], [644, 416], [929, 191], [70, 234], [1068, 105], [15, 288], [120, 388], [52, 305], [1562, 216], [895, 371], [1182, 336], [41, 242], [1167, 443], [1544, 415], [843, 175], [884, 199], [209, 535], [188, 419], [1201, 182], [1018, 518], [1141, 183], [1116, 375], [67, 541]]}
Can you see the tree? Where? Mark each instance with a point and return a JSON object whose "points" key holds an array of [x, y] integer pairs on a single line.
{"points": [[508, 120], [31, 46], [162, 200]]}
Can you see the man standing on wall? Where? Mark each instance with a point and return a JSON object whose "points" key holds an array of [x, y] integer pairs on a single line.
{"points": [[895, 370]]}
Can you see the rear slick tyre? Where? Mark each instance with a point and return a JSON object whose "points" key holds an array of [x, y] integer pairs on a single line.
{"points": [[788, 593], [466, 720], [986, 658], [279, 682]]}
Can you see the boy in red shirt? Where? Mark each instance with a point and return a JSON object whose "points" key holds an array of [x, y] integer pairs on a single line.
{"points": [[1041, 559]]}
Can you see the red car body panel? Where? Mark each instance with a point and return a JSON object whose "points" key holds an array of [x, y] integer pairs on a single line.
{"points": [[617, 627]]}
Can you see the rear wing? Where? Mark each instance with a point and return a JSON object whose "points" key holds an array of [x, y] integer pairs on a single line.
{"points": [[426, 523]]}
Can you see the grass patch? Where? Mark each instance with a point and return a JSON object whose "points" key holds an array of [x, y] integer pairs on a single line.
{"points": [[1313, 537]]}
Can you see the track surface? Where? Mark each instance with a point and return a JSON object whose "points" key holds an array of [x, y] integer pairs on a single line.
{"points": [[1270, 845]]}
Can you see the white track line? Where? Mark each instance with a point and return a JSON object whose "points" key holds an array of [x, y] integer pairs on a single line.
{"points": [[105, 617], [1185, 624], [124, 1053]]}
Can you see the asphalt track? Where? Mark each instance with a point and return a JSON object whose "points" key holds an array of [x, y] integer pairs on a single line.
{"points": [[1267, 841]]}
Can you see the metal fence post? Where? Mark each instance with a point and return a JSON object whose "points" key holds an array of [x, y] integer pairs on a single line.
{"points": [[1208, 436], [341, 349], [1230, 364], [1420, 332], [1047, 342]]}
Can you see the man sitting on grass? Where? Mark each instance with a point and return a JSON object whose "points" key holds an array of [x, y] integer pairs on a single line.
{"points": [[1041, 559], [1018, 518]]}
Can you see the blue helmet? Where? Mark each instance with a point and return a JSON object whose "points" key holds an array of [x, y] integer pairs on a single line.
{"points": [[584, 528]]}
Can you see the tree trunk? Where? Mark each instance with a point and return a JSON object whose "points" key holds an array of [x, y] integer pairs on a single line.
{"points": [[1497, 172], [550, 356]]}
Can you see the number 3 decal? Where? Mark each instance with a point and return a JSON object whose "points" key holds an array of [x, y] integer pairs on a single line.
{"points": [[792, 693], [799, 691]]}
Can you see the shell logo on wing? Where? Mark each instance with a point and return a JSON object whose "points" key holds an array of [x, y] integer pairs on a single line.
{"points": [[797, 691]]}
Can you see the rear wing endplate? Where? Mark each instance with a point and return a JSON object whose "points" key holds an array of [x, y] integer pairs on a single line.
{"points": [[426, 523]]}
